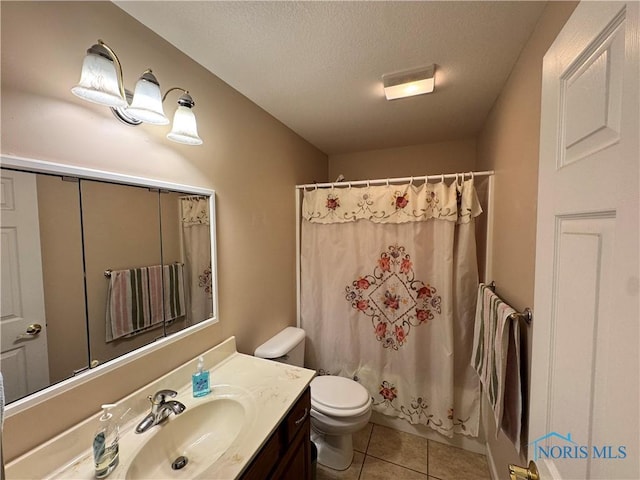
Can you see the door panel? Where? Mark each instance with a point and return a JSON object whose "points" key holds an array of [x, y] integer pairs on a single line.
{"points": [[24, 359]]}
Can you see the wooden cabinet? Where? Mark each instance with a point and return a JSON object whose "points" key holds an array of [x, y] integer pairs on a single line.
{"points": [[287, 453]]}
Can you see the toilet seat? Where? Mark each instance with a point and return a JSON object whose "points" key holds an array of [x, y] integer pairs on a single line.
{"points": [[339, 396]]}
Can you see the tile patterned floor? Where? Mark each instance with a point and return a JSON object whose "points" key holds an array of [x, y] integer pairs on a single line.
{"points": [[382, 453]]}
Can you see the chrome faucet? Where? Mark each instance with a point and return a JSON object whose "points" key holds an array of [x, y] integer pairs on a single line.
{"points": [[161, 408]]}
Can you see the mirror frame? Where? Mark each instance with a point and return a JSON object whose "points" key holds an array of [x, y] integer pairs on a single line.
{"points": [[41, 166]]}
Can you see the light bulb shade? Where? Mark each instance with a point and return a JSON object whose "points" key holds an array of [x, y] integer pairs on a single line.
{"points": [[184, 128], [99, 81], [147, 101]]}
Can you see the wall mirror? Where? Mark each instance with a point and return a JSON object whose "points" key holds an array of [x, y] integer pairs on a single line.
{"points": [[96, 265]]}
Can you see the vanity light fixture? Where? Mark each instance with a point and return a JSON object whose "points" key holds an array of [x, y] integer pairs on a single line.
{"points": [[101, 82], [409, 83]]}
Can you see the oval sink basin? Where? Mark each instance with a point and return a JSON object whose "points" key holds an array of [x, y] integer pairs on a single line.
{"points": [[190, 442]]}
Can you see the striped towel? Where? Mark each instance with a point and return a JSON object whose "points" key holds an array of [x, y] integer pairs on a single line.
{"points": [[496, 359], [135, 299], [174, 291]]}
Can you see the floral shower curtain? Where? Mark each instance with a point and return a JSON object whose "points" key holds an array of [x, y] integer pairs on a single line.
{"points": [[197, 253], [389, 280]]}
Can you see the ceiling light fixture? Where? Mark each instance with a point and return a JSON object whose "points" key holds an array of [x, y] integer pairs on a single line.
{"points": [[101, 82], [409, 83]]}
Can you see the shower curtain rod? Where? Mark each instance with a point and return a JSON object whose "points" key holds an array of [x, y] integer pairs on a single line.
{"points": [[382, 181]]}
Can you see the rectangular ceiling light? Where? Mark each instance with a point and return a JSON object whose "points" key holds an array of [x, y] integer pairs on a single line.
{"points": [[409, 83]]}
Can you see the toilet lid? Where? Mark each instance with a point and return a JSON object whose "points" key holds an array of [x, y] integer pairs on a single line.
{"points": [[339, 396]]}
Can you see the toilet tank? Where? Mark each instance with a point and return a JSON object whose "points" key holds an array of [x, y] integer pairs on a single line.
{"points": [[287, 347]]}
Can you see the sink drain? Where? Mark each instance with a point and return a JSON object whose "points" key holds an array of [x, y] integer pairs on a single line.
{"points": [[180, 462]]}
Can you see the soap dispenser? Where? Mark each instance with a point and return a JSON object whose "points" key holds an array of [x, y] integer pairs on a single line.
{"points": [[200, 380], [105, 443]]}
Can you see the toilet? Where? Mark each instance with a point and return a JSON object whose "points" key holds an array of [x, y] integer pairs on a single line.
{"points": [[339, 406]]}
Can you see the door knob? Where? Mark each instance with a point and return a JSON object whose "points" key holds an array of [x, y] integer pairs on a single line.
{"points": [[34, 329], [516, 472]]}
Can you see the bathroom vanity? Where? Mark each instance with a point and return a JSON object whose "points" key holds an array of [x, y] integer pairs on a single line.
{"points": [[287, 453], [255, 424]]}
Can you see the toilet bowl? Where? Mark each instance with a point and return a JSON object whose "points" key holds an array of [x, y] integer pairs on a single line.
{"points": [[339, 406]]}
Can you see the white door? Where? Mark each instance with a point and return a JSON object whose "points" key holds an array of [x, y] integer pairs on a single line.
{"points": [[24, 360], [584, 392]]}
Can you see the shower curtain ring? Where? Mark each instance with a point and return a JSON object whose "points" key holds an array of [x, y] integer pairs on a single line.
{"points": [[411, 181], [387, 182]]}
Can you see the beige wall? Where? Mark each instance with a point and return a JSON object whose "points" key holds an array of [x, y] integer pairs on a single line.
{"points": [[508, 144], [63, 278], [248, 157], [416, 160]]}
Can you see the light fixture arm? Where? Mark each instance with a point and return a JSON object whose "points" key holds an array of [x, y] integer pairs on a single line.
{"points": [[116, 62], [164, 97]]}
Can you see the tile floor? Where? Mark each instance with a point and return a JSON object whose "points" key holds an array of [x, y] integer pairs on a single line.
{"points": [[382, 453]]}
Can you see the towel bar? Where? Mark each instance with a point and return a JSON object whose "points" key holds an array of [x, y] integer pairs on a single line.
{"points": [[526, 315], [108, 271]]}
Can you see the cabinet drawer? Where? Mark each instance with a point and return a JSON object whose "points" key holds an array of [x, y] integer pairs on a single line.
{"points": [[297, 416]]}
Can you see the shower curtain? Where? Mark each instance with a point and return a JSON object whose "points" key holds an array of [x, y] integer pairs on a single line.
{"points": [[388, 287], [197, 254]]}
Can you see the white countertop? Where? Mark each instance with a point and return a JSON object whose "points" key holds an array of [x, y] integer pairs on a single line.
{"points": [[268, 390]]}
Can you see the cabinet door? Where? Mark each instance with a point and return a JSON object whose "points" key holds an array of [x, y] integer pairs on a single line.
{"points": [[296, 464]]}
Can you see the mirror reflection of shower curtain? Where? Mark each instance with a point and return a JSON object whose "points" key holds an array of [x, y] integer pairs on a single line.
{"points": [[197, 256], [388, 290]]}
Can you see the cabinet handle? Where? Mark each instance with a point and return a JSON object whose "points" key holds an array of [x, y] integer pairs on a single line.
{"points": [[301, 419]]}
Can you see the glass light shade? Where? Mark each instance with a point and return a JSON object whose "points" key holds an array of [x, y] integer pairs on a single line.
{"points": [[409, 83], [418, 87], [99, 82], [184, 128], [147, 102]]}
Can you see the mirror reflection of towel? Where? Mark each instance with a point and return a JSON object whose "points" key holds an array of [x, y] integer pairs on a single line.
{"points": [[174, 291], [135, 300]]}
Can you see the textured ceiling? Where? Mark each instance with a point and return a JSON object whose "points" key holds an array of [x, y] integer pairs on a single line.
{"points": [[317, 66]]}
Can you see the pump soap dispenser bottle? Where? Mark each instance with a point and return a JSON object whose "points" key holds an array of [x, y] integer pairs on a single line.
{"points": [[200, 380], [105, 443]]}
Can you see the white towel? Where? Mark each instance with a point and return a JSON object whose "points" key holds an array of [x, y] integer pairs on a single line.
{"points": [[496, 359], [511, 423]]}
